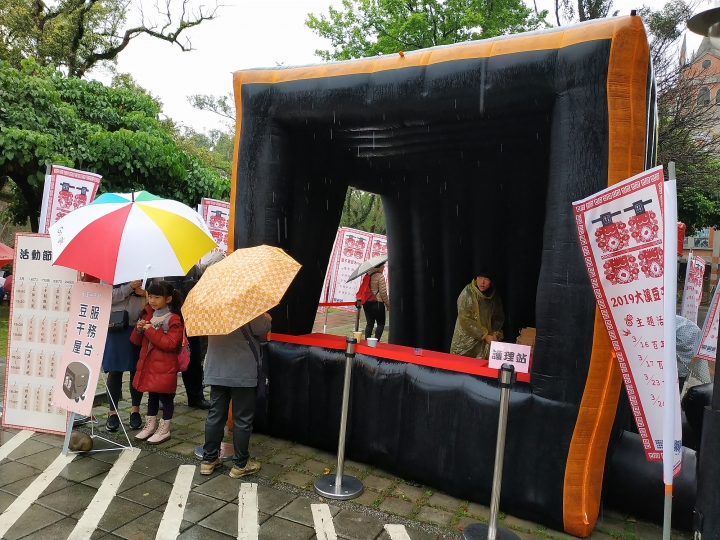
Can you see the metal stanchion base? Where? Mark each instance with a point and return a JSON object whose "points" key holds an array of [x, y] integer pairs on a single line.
{"points": [[479, 531], [351, 487], [226, 451]]}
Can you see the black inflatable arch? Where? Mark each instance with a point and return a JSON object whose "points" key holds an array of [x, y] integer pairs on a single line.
{"points": [[477, 151]]}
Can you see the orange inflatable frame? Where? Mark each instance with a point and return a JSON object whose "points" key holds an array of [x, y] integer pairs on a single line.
{"points": [[628, 95]]}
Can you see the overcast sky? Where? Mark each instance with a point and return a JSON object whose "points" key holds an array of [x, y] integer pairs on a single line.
{"points": [[247, 33]]}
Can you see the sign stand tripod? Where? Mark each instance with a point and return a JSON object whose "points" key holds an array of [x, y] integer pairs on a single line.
{"points": [[491, 531], [71, 422]]}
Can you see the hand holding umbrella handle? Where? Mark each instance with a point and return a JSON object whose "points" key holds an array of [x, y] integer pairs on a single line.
{"points": [[145, 277]]}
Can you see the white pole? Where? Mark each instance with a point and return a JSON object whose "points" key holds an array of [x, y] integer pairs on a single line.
{"points": [[672, 397]]}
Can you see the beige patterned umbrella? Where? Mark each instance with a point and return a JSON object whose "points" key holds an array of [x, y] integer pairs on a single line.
{"points": [[236, 290]]}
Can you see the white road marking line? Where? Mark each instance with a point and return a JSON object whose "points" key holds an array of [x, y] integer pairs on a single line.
{"points": [[175, 508], [7, 448], [397, 532], [97, 507], [248, 527], [32, 492], [322, 517]]}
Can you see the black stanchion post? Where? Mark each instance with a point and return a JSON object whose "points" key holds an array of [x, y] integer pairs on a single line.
{"points": [[341, 486], [707, 517], [358, 306], [491, 531]]}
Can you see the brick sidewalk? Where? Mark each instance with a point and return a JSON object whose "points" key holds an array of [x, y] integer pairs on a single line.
{"points": [[292, 466]]}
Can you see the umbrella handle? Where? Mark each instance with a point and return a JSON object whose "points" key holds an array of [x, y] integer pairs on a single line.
{"points": [[147, 271]]}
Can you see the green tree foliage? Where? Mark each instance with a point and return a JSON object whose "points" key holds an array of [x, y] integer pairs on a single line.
{"points": [[698, 209], [363, 211], [78, 35], [47, 118], [371, 27], [223, 106], [584, 10], [215, 148]]}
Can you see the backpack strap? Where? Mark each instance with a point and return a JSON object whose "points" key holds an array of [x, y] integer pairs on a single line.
{"points": [[250, 343]]}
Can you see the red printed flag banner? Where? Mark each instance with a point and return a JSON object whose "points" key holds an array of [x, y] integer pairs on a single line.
{"points": [[709, 337], [621, 235], [352, 247], [692, 292], [216, 214], [65, 190]]}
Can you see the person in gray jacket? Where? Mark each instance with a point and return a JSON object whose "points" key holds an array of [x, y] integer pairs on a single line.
{"points": [[231, 370]]}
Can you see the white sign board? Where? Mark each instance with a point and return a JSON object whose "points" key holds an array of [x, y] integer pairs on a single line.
{"points": [[216, 214], [65, 190], [621, 235], [38, 325], [351, 249], [692, 291], [509, 353], [77, 377]]}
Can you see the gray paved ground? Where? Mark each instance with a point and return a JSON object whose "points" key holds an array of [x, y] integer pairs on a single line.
{"points": [[285, 491]]}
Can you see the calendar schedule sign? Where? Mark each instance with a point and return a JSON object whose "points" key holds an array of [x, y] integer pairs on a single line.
{"points": [[39, 311]]}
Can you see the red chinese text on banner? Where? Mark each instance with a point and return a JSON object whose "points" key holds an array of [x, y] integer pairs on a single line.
{"points": [[621, 236], [709, 337], [77, 375], [65, 190], [692, 291], [352, 247], [216, 215]]}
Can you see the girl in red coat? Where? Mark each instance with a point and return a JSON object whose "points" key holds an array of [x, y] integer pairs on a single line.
{"points": [[160, 333]]}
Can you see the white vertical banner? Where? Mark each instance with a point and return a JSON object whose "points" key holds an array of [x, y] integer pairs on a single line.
{"points": [[65, 190], [672, 428], [77, 375], [623, 242], [709, 336], [692, 291]]}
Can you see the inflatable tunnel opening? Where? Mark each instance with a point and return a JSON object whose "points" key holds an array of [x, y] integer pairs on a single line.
{"points": [[363, 210], [463, 185]]}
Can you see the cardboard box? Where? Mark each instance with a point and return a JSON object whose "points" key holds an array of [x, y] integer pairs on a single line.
{"points": [[527, 337]]}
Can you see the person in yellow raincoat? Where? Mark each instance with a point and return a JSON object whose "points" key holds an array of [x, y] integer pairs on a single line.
{"points": [[480, 318]]}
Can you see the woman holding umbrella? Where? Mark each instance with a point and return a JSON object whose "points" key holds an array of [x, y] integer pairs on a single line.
{"points": [[131, 234], [375, 307], [120, 355], [372, 294], [229, 304]]}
